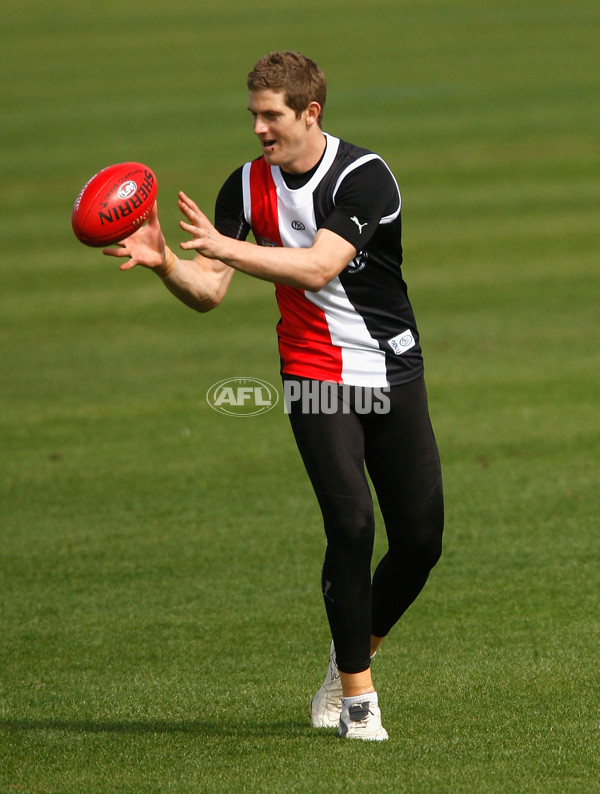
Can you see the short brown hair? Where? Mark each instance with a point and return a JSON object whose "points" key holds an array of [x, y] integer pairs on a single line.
{"points": [[298, 77]]}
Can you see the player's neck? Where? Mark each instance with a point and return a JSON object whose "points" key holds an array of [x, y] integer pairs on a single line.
{"points": [[311, 157], [295, 181]]}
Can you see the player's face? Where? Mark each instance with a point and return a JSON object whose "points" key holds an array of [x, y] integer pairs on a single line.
{"points": [[284, 137]]}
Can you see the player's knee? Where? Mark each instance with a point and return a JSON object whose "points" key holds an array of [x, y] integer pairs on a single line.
{"points": [[350, 526], [432, 527], [423, 549], [420, 535], [430, 546]]}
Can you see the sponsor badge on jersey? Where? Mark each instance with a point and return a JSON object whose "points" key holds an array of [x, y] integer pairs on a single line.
{"points": [[402, 342]]}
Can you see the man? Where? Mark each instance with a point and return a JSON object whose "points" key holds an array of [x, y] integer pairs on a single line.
{"points": [[326, 217]]}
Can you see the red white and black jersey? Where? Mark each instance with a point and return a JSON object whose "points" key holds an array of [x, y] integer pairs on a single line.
{"points": [[359, 329]]}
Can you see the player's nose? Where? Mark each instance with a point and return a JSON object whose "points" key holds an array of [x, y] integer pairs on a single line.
{"points": [[259, 126]]}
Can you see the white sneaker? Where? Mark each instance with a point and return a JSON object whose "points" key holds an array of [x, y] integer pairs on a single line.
{"points": [[326, 706], [361, 718]]}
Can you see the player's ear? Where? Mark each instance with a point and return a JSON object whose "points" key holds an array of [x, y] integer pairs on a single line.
{"points": [[312, 113]]}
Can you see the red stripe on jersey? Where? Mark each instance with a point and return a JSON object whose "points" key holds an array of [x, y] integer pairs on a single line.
{"points": [[264, 211], [304, 339]]}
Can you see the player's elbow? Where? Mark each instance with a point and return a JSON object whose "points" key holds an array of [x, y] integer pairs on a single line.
{"points": [[207, 303], [209, 292], [320, 275], [205, 306], [199, 301], [328, 256], [316, 283]]}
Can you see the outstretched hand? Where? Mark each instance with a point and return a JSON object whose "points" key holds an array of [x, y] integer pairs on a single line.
{"points": [[206, 240], [145, 247]]}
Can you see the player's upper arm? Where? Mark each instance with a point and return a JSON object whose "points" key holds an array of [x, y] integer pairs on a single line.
{"points": [[229, 208], [366, 196]]}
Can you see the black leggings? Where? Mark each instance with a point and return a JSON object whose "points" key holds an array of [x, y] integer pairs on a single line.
{"points": [[401, 457]]}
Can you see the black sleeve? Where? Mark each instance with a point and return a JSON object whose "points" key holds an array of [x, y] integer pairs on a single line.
{"points": [[229, 208], [366, 195]]}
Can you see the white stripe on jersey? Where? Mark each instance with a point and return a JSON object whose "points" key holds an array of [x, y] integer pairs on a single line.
{"points": [[363, 362]]}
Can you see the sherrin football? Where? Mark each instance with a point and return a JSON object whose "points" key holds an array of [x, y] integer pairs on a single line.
{"points": [[113, 203]]}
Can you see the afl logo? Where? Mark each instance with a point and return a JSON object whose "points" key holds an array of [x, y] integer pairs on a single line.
{"points": [[242, 396], [298, 226], [127, 189]]}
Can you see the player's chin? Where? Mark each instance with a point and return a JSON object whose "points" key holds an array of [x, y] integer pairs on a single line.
{"points": [[270, 150]]}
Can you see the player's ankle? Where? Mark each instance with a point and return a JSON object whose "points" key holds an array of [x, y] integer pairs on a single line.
{"points": [[352, 689], [359, 683]]}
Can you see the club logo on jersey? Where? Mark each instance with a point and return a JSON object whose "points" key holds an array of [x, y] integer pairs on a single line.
{"points": [[298, 226], [358, 263], [402, 342], [360, 225]]}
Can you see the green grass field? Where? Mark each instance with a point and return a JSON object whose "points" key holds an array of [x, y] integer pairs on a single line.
{"points": [[161, 620]]}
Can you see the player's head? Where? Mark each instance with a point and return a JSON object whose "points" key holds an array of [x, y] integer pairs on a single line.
{"points": [[299, 78]]}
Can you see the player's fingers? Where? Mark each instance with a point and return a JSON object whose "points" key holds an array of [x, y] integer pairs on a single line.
{"points": [[185, 199], [189, 213], [191, 245], [189, 208], [119, 249], [113, 252], [128, 265], [190, 228], [153, 216]]}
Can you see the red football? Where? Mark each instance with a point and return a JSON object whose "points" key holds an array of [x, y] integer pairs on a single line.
{"points": [[113, 204]]}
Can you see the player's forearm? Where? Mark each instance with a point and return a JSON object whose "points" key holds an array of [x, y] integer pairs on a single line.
{"points": [[200, 288], [304, 268]]}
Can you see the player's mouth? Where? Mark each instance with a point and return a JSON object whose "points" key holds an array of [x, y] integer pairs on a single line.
{"points": [[268, 144]]}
